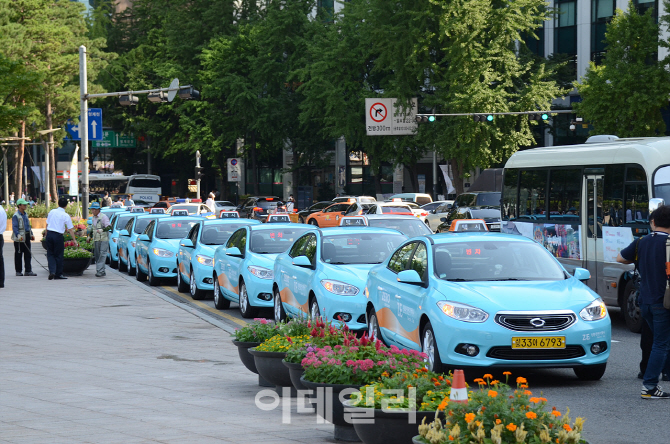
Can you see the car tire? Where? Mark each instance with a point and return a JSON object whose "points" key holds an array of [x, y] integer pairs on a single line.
{"points": [[113, 264], [153, 280], [279, 313], [139, 275], [590, 372], [246, 309], [313, 222], [314, 311], [630, 308], [373, 326], [429, 346], [131, 270], [220, 302], [123, 266], [196, 293], [301, 220], [182, 287]]}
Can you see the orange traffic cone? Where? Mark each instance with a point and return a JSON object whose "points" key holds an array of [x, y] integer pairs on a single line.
{"points": [[458, 391]]}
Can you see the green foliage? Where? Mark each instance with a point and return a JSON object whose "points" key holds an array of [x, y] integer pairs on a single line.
{"points": [[76, 253], [624, 96], [18, 85]]}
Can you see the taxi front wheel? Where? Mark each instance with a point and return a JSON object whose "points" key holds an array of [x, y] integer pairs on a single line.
{"points": [[429, 347], [139, 275], [280, 314], [153, 280], [220, 302], [182, 287]]}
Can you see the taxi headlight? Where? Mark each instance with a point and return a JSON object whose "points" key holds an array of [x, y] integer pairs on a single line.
{"points": [[463, 312], [204, 260], [160, 252], [340, 288], [594, 311], [261, 272]]}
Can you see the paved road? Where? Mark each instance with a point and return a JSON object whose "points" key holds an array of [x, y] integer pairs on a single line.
{"points": [[114, 361]]}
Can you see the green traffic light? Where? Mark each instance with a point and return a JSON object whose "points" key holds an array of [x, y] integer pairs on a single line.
{"points": [[545, 116], [431, 118], [489, 117]]}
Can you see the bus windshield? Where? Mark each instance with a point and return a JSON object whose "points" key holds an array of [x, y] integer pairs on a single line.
{"points": [[140, 182], [662, 184]]}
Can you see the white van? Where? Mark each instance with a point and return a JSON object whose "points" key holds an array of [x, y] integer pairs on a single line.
{"points": [[418, 198]]}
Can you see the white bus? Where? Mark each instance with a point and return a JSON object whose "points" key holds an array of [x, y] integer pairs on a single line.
{"points": [[586, 202], [141, 187]]}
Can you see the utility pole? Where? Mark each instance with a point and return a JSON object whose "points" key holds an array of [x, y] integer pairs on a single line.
{"points": [[83, 129], [6, 175], [434, 174], [197, 169]]}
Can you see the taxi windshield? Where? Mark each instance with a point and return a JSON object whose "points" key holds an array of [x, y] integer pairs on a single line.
{"points": [[409, 227], [219, 234], [173, 229], [495, 261], [359, 248], [274, 241]]}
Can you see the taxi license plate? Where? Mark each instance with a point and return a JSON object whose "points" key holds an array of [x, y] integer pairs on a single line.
{"points": [[538, 342]]}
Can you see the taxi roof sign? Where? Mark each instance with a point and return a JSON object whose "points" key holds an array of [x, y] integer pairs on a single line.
{"points": [[461, 225], [278, 218], [229, 214], [157, 211], [353, 221], [136, 209], [180, 213]]}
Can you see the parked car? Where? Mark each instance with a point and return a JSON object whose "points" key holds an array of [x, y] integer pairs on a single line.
{"points": [[195, 257], [324, 273], [304, 214], [408, 225], [258, 207], [243, 268], [117, 223], [156, 248], [434, 218], [194, 209], [329, 216], [391, 208], [490, 215], [359, 199], [478, 199], [418, 198], [434, 204], [128, 240], [223, 205], [488, 300]]}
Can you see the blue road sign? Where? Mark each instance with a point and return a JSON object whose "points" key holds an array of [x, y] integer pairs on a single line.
{"points": [[94, 126]]}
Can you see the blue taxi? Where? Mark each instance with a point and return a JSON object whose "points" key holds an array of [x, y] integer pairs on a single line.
{"points": [[156, 248], [128, 239], [488, 300], [118, 222], [325, 270], [196, 253], [243, 269]]}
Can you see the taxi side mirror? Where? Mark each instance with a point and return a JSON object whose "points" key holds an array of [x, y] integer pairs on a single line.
{"points": [[409, 277], [582, 274], [186, 243], [233, 251], [144, 237], [302, 261]]}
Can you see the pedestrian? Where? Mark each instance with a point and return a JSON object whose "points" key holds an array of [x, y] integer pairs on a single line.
{"points": [[98, 232], [216, 193], [22, 234], [130, 202], [3, 228], [210, 202], [290, 204], [650, 253], [646, 344], [106, 200], [57, 222], [11, 199]]}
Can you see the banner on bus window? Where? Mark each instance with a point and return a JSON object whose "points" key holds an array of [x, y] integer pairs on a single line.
{"points": [[615, 239], [563, 241]]}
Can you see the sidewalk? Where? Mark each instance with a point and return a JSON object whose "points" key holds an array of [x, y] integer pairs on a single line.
{"points": [[91, 360]]}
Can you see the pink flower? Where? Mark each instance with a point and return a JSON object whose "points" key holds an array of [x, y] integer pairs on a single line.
{"points": [[350, 363]]}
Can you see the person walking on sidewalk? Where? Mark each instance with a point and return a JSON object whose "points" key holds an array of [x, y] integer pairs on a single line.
{"points": [[3, 228], [22, 234], [649, 251], [98, 232], [57, 222], [106, 200]]}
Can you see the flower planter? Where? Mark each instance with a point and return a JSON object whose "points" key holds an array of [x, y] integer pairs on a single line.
{"points": [[38, 222], [248, 360], [295, 372], [270, 368], [386, 426], [75, 266], [343, 431]]}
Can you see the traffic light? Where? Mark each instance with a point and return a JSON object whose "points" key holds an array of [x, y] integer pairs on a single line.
{"points": [[189, 93], [482, 117], [128, 100], [539, 116], [198, 173], [424, 118]]}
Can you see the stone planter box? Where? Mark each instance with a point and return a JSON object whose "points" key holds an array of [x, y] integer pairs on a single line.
{"points": [[248, 360], [343, 431], [271, 368], [388, 426], [75, 267]]}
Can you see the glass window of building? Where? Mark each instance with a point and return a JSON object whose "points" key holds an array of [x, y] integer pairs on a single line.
{"points": [[565, 32], [601, 14]]}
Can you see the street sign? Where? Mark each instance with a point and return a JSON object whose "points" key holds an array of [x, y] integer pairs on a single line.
{"points": [[234, 167], [94, 126], [385, 117], [114, 139]]}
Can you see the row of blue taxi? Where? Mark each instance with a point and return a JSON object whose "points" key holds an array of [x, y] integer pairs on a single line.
{"points": [[465, 299]]}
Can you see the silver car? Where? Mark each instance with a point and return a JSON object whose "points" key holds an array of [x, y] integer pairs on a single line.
{"points": [[434, 216]]}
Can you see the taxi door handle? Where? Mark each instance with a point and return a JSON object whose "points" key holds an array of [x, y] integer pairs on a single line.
{"points": [[398, 296], [379, 288], [294, 277]]}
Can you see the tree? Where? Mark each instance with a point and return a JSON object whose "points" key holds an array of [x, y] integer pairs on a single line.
{"points": [[625, 94], [18, 85]]}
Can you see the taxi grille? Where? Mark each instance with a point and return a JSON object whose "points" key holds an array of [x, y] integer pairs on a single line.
{"points": [[513, 354], [536, 322]]}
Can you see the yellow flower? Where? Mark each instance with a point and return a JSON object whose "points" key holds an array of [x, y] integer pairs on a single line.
{"points": [[531, 415]]}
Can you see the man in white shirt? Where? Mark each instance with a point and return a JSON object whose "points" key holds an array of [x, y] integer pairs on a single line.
{"points": [[3, 228], [57, 222]]}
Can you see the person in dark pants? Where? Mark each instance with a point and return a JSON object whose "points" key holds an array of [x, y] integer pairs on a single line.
{"points": [[22, 234], [57, 222], [646, 343]]}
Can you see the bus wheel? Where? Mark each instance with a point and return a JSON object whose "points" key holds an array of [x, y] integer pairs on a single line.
{"points": [[630, 308]]}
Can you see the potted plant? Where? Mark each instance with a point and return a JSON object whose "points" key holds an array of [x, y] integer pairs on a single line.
{"points": [[343, 369], [76, 260], [252, 335], [496, 413], [395, 404], [269, 355]]}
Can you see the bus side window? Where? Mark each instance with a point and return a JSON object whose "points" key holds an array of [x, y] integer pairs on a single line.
{"points": [[613, 196], [565, 191], [509, 195], [532, 195], [636, 196]]}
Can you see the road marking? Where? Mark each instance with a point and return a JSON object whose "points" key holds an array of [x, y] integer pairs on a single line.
{"points": [[205, 306]]}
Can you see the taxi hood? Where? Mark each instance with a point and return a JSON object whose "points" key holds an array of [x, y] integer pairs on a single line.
{"points": [[354, 274]]}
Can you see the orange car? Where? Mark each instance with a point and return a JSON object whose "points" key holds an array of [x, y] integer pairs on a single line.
{"points": [[329, 216]]}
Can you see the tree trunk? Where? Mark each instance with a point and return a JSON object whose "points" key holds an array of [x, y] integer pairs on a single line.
{"points": [[19, 153], [51, 174], [254, 169], [457, 171]]}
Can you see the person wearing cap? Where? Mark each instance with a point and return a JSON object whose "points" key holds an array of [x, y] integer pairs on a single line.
{"points": [[57, 222], [100, 236], [22, 234]]}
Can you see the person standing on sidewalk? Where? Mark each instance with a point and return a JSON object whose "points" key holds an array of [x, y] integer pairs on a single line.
{"points": [[57, 222], [3, 228], [650, 254], [100, 236], [22, 234], [106, 200]]}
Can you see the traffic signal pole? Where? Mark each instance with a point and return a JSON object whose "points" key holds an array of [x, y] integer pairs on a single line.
{"points": [[197, 168], [83, 130]]}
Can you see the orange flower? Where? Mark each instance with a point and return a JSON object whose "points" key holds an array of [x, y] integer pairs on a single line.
{"points": [[488, 376], [469, 417], [524, 386], [451, 438], [511, 427], [443, 405], [507, 373], [556, 413], [521, 380], [493, 393], [498, 421], [527, 392], [479, 380], [385, 374], [478, 423], [495, 382], [531, 415], [535, 400], [543, 399], [567, 427]]}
